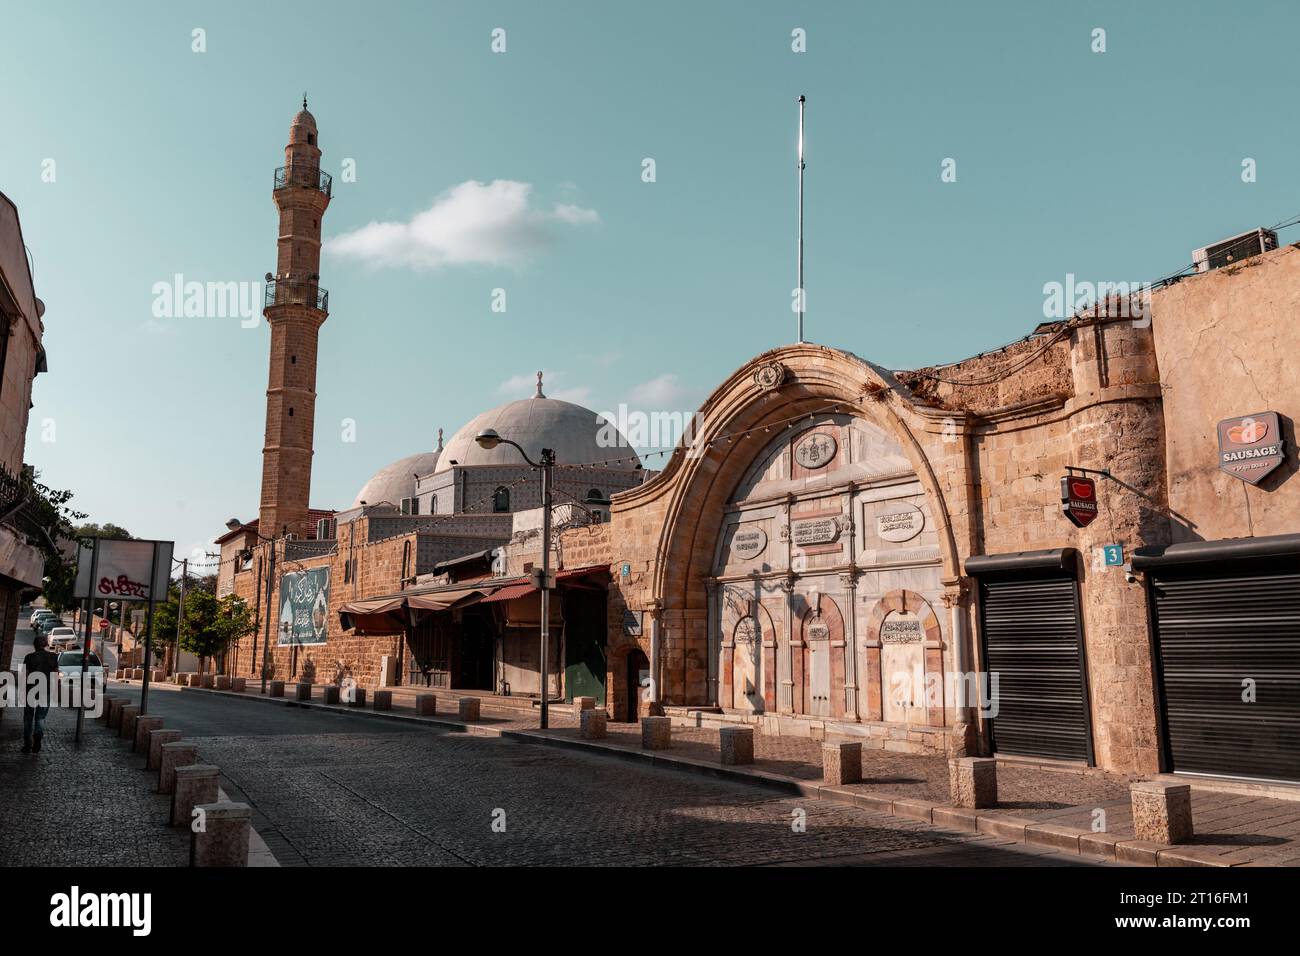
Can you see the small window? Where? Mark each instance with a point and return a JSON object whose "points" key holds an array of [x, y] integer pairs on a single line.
{"points": [[595, 494], [293, 360], [291, 412], [311, 139], [501, 500]]}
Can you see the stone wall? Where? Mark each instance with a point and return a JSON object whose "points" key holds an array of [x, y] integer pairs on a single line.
{"points": [[1227, 343]]}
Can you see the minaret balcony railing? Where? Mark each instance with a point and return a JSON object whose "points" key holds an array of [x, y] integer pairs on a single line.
{"points": [[304, 177], [296, 292]]}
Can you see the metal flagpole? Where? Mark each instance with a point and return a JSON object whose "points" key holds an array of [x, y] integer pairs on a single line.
{"points": [[802, 298]]}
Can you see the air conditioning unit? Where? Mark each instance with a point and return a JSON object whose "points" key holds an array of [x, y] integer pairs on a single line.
{"points": [[1234, 250], [410, 506], [326, 529]]}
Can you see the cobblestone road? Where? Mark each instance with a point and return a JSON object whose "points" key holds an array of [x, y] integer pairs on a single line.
{"points": [[333, 789]]}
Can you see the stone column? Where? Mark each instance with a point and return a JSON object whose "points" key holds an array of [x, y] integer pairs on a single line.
{"points": [[714, 641], [785, 686], [223, 840], [849, 581]]}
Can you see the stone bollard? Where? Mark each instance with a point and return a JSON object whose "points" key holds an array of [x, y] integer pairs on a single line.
{"points": [[656, 733], [383, 700], [238, 684], [207, 681], [276, 688], [180, 680], [126, 723], [117, 674], [157, 676], [156, 740], [467, 709], [302, 691], [144, 726], [196, 680], [138, 674], [592, 723], [172, 756], [358, 697], [331, 692], [114, 711], [736, 745], [107, 712], [583, 703], [426, 705], [195, 784], [841, 763], [223, 839], [222, 682], [973, 782], [1162, 812]]}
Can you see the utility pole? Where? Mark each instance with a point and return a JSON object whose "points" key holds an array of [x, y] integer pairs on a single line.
{"points": [[180, 611]]}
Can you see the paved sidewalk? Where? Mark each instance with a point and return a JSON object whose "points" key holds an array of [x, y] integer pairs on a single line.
{"points": [[1232, 829], [81, 806]]}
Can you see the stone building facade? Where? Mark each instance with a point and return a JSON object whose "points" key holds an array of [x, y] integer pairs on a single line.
{"points": [[22, 358]]}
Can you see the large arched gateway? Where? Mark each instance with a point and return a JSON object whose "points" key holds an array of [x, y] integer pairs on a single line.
{"points": [[804, 555]]}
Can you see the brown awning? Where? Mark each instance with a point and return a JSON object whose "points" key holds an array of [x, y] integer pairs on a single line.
{"points": [[383, 616], [510, 592], [442, 600]]}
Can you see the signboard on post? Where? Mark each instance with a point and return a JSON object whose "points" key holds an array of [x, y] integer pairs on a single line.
{"points": [[123, 570], [1079, 499], [304, 607], [1251, 447]]}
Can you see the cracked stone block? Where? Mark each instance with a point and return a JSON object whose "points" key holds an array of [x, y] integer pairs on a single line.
{"points": [[383, 700], [468, 708], [194, 785], [144, 726], [223, 840], [592, 724], [156, 740], [656, 733], [841, 763], [736, 745], [973, 782], [426, 705], [302, 691], [1162, 812], [174, 755], [276, 688]]}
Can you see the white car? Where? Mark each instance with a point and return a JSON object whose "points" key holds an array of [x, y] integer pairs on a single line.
{"points": [[38, 615], [70, 667], [61, 637]]}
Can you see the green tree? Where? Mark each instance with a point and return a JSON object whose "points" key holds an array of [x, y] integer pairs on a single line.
{"points": [[212, 624], [47, 519], [108, 530]]}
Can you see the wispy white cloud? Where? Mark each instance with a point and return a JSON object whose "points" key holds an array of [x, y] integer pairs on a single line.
{"points": [[553, 384], [492, 223], [661, 392]]}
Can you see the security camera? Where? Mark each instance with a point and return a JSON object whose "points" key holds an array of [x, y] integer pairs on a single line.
{"points": [[1130, 577]]}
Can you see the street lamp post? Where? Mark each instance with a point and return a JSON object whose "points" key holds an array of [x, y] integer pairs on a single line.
{"points": [[488, 438], [234, 524]]}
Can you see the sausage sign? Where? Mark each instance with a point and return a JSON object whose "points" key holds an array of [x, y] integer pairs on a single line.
{"points": [[1079, 499]]}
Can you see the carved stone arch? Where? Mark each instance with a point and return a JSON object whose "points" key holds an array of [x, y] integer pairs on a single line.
{"points": [[877, 686], [686, 502], [747, 629], [820, 623]]}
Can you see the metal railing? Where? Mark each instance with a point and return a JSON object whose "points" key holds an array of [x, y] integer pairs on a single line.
{"points": [[296, 292], [305, 177]]}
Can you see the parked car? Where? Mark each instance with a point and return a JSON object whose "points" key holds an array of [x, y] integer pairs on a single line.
{"points": [[70, 667], [60, 637], [39, 615]]}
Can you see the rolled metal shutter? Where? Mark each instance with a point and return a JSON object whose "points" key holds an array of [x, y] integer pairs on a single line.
{"points": [[1217, 627], [1033, 642]]}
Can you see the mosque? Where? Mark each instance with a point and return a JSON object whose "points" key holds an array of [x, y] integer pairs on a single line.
{"points": [[1024, 553]]}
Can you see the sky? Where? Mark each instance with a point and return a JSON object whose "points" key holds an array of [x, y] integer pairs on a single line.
{"points": [[138, 149]]}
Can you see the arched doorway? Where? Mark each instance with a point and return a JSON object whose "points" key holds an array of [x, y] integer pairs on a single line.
{"points": [[637, 684]]}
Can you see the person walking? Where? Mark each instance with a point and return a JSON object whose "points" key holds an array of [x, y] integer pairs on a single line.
{"points": [[39, 668]]}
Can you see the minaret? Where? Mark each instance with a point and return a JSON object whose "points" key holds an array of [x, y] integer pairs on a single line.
{"points": [[295, 308]]}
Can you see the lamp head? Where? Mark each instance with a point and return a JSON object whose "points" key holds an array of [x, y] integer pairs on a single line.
{"points": [[488, 438], [234, 524]]}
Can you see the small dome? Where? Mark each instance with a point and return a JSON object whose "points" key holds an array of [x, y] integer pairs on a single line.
{"points": [[394, 482], [305, 118], [571, 431]]}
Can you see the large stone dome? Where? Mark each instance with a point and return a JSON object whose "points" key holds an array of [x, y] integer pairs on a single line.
{"points": [[571, 431], [394, 482]]}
